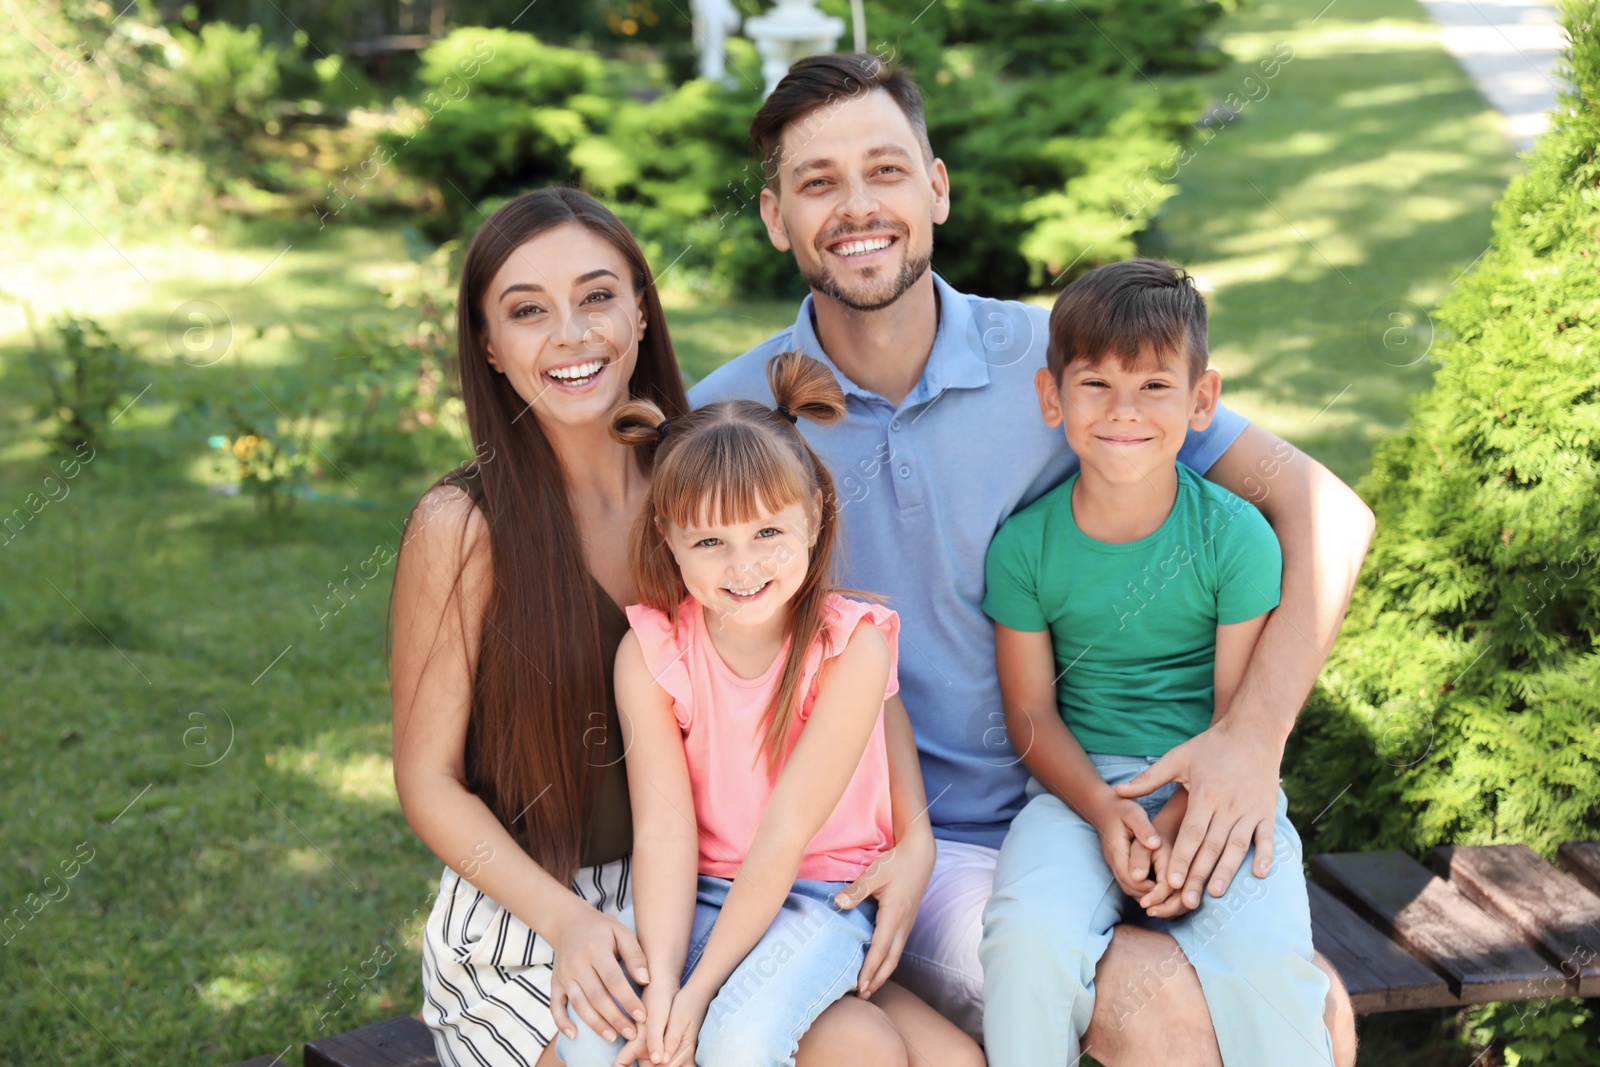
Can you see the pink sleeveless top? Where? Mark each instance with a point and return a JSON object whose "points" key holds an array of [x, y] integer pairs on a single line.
{"points": [[720, 715]]}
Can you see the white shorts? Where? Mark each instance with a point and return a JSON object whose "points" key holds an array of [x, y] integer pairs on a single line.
{"points": [[940, 960], [486, 975]]}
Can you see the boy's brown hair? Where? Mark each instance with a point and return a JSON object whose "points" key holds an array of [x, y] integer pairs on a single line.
{"points": [[1126, 309], [825, 81]]}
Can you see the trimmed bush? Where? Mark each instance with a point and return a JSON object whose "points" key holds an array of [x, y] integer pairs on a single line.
{"points": [[1462, 696], [1462, 702], [109, 117]]}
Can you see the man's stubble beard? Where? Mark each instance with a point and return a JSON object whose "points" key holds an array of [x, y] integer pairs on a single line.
{"points": [[823, 281]]}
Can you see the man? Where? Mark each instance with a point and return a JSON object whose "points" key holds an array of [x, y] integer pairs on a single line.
{"points": [[942, 443]]}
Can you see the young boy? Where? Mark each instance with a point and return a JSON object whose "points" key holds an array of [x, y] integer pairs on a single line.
{"points": [[1127, 603]]}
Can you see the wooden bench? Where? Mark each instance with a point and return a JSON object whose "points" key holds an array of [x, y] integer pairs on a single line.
{"points": [[1495, 922], [1500, 924]]}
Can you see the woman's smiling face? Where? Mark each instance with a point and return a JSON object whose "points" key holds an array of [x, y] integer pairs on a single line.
{"points": [[563, 325]]}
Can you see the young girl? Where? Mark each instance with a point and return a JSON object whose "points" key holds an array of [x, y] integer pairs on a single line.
{"points": [[751, 695]]}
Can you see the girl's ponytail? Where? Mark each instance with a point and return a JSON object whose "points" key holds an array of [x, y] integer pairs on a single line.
{"points": [[804, 386], [639, 422]]}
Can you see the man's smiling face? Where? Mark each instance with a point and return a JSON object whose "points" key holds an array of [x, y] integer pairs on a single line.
{"points": [[856, 200]]}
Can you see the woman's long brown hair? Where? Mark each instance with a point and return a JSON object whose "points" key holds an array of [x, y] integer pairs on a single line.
{"points": [[730, 462], [539, 677]]}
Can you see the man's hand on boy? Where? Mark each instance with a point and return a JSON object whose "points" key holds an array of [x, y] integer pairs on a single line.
{"points": [[1122, 824], [1231, 774]]}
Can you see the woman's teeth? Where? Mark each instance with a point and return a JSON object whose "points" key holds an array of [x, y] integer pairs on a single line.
{"points": [[578, 373]]}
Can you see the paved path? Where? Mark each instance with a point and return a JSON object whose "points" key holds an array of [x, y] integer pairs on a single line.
{"points": [[1510, 49]]}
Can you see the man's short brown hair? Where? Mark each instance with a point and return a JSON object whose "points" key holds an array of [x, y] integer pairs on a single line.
{"points": [[830, 81], [1125, 310]]}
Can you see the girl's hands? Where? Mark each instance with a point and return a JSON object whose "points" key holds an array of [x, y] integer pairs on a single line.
{"points": [[587, 973], [647, 1046], [898, 880], [1122, 825], [658, 998], [683, 1026]]}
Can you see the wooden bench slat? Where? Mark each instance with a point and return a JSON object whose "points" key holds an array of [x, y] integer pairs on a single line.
{"points": [[1483, 958], [1582, 861], [1553, 911], [399, 1042], [1378, 974]]}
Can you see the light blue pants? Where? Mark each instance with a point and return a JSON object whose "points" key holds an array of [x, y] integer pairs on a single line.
{"points": [[809, 957], [1049, 922]]}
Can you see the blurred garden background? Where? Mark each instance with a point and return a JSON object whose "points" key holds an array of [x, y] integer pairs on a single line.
{"points": [[229, 232]]}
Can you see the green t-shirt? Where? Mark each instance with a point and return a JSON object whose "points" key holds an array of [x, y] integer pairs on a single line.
{"points": [[1135, 625]]}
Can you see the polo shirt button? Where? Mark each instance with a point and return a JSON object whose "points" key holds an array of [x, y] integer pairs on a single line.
{"points": [[895, 425], [905, 471]]}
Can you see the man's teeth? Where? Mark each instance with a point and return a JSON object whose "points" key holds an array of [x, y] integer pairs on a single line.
{"points": [[856, 248], [577, 371]]}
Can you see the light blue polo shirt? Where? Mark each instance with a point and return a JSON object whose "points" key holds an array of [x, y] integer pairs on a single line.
{"points": [[922, 489]]}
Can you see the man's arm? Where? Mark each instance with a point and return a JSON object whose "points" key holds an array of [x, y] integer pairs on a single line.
{"points": [[1324, 530], [1231, 771]]}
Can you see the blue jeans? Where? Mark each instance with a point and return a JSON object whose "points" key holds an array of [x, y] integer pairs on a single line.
{"points": [[809, 957], [1050, 918]]}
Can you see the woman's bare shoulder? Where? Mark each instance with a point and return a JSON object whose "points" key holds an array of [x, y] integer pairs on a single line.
{"points": [[446, 521]]}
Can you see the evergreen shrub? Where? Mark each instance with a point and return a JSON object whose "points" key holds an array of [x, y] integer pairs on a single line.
{"points": [[1461, 697], [1461, 704]]}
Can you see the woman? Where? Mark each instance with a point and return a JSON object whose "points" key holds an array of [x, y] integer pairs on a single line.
{"points": [[505, 622]]}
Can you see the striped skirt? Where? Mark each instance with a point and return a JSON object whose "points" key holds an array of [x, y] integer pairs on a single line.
{"points": [[486, 975]]}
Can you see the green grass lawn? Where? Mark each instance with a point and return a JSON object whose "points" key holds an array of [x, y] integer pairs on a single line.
{"points": [[1363, 178], [182, 706], [189, 703]]}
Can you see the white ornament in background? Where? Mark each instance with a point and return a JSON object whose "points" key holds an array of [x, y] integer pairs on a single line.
{"points": [[714, 21], [790, 31]]}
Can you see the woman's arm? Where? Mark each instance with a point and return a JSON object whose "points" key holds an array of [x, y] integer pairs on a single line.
{"points": [[437, 623], [818, 770]]}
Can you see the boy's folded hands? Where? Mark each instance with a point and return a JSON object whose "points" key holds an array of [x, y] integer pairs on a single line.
{"points": [[1138, 850], [1164, 901], [1123, 827]]}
